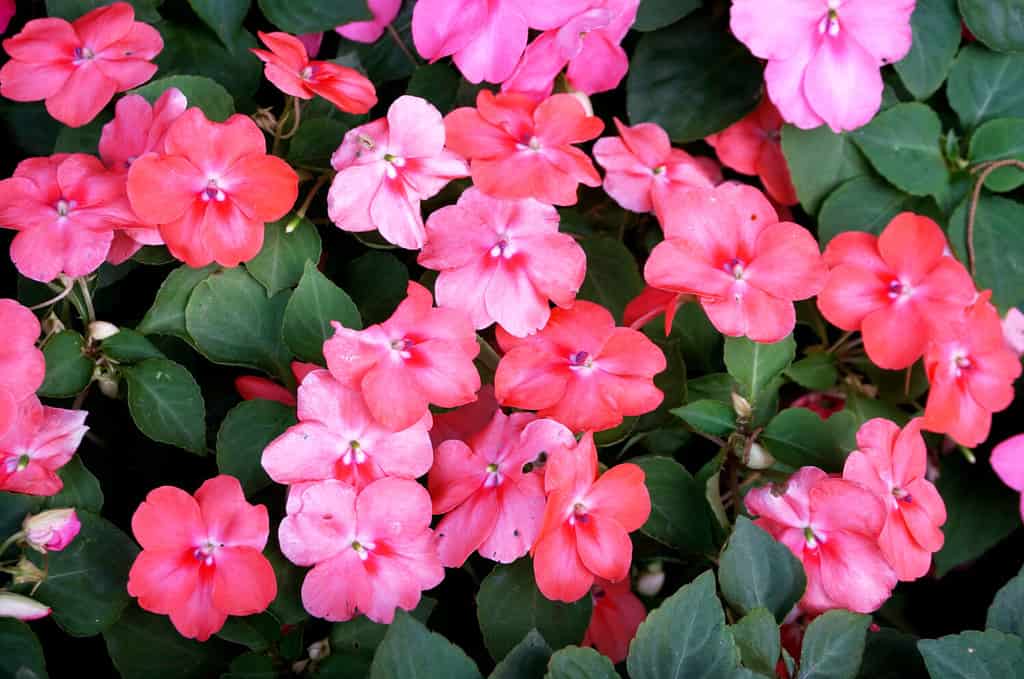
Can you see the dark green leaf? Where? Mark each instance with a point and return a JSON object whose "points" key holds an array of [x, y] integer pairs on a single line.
{"points": [[817, 372], [998, 248], [680, 516], [146, 646], [613, 279], [129, 346], [250, 666], [246, 431], [997, 23], [574, 662], [223, 16], [81, 489], [386, 60], [84, 139], [358, 639], [862, 204], [377, 282], [166, 404], [974, 655], [437, 83], [833, 646], [903, 144], [145, 10], [287, 605], [890, 654], [315, 142], [14, 507], [153, 255], [68, 371], [528, 660], [754, 365], [998, 140], [194, 50], [307, 318], [757, 571], [819, 161], [984, 85], [312, 16], [284, 255], [257, 632], [21, 654], [936, 27], [711, 417], [655, 14], [699, 343], [30, 127], [798, 437], [167, 315], [757, 636], [204, 93], [1006, 613], [411, 651]]}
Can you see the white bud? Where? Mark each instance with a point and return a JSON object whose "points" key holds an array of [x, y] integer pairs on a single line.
{"points": [[319, 650], [758, 457], [109, 386], [741, 406], [21, 607], [101, 330], [650, 583]]}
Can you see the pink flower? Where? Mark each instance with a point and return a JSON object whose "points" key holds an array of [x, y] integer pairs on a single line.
{"points": [[832, 526], [587, 522], [384, 12], [465, 422], [337, 438], [421, 355], [642, 169], [201, 557], [78, 67], [1013, 330], [581, 370], [21, 607], [22, 366], [7, 11], [386, 167], [813, 45], [651, 303], [39, 442], [728, 247], [1008, 462], [823, 404], [52, 530], [65, 209], [371, 553], [891, 463], [491, 487], [250, 387], [898, 284], [753, 146], [617, 613], [311, 42], [521, 149], [502, 260]]}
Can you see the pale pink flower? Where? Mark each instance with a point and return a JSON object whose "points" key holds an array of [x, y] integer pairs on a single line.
{"points": [[21, 607], [1008, 461], [52, 530], [1013, 330]]}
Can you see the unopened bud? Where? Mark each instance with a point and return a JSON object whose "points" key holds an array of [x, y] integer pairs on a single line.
{"points": [[651, 581], [52, 530], [741, 406], [109, 386], [21, 607], [26, 573], [319, 650], [758, 458], [101, 330]]}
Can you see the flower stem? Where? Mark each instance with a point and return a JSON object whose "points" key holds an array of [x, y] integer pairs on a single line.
{"points": [[983, 171], [401, 44]]}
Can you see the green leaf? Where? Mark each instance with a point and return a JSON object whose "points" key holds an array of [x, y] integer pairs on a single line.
{"points": [[891, 654], [167, 315], [903, 144], [166, 404], [377, 282], [21, 654], [190, 49], [862, 204], [1000, 139], [315, 142], [145, 10], [153, 255], [204, 93], [84, 139], [411, 651], [13, 509], [528, 660], [68, 371], [757, 636], [754, 364], [307, 318], [245, 432], [974, 655], [692, 78], [509, 605], [225, 17], [997, 23], [936, 26], [680, 516], [613, 279], [438, 83], [574, 662], [358, 639], [817, 372], [711, 417], [129, 346], [256, 632], [250, 666], [833, 646], [655, 14], [233, 323], [998, 249], [1006, 613], [146, 646], [819, 161], [313, 16], [685, 637], [757, 571], [287, 605], [799, 437], [283, 257], [81, 489], [984, 86], [863, 409]]}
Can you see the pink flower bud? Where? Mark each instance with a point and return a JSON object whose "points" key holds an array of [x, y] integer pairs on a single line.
{"points": [[21, 607], [51, 531]]}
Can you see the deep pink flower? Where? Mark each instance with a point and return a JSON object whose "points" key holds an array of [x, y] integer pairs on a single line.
{"points": [[386, 167], [617, 613], [250, 387], [651, 303], [311, 42], [1008, 462], [502, 260], [22, 366], [384, 12], [52, 530], [823, 404], [7, 11], [40, 441]]}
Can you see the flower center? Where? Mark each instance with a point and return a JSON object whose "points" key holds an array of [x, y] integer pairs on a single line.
{"points": [[401, 347], [902, 495], [579, 513], [205, 552], [899, 290], [532, 144], [494, 476], [394, 162], [212, 192], [660, 170], [501, 249], [83, 54], [581, 359], [810, 538], [735, 268], [354, 454], [17, 464], [830, 22], [363, 549], [961, 362], [64, 207], [306, 73]]}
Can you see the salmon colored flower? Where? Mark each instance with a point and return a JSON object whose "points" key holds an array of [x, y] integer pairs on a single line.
{"points": [[518, 148], [78, 67], [617, 613], [22, 366], [212, 189], [384, 12], [250, 387], [580, 370], [832, 526], [371, 552], [337, 438], [1008, 462], [52, 530], [421, 355], [753, 146], [466, 421], [587, 522], [386, 167], [898, 284], [650, 304], [40, 441], [288, 66], [891, 463], [1013, 330], [728, 247], [502, 260], [201, 557], [642, 169], [971, 371], [491, 487]]}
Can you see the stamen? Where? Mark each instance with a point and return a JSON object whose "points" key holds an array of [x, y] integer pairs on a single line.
{"points": [[212, 192], [581, 359], [63, 207]]}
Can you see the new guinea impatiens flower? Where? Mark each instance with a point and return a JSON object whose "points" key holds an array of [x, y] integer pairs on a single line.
{"points": [[288, 66], [727, 246], [384, 12], [617, 613], [832, 526], [587, 522], [642, 169], [898, 284], [420, 355], [78, 67], [337, 438], [202, 557], [1008, 462], [386, 167], [250, 387], [824, 56], [580, 370], [372, 552], [490, 487], [22, 366], [891, 463], [518, 148], [502, 260], [212, 189], [40, 441]]}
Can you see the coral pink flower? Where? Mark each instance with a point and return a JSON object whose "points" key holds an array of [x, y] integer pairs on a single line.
{"points": [[502, 260], [372, 552], [581, 370], [337, 438], [832, 527], [201, 557], [465, 422], [616, 615], [420, 355], [40, 441], [1013, 330], [587, 522], [811, 45], [52, 530], [78, 67], [753, 146], [971, 371], [891, 463], [22, 366], [491, 487], [288, 66], [521, 149], [212, 190], [250, 387], [7, 11], [650, 304], [1008, 462], [642, 169], [728, 247], [384, 12], [898, 284], [386, 167], [65, 208]]}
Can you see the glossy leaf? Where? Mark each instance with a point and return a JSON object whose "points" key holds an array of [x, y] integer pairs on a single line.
{"points": [[166, 404], [680, 516], [984, 85], [799, 437], [1000, 139], [146, 646], [167, 315], [903, 144], [311, 16], [819, 161], [243, 435], [757, 571], [283, 257], [936, 26], [307, 318], [406, 647], [757, 636], [68, 370], [711, 417], [574, 662], [655, 14], [974, 655], [21, 654], [998, 252], [527, 660], [999, 24]]}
